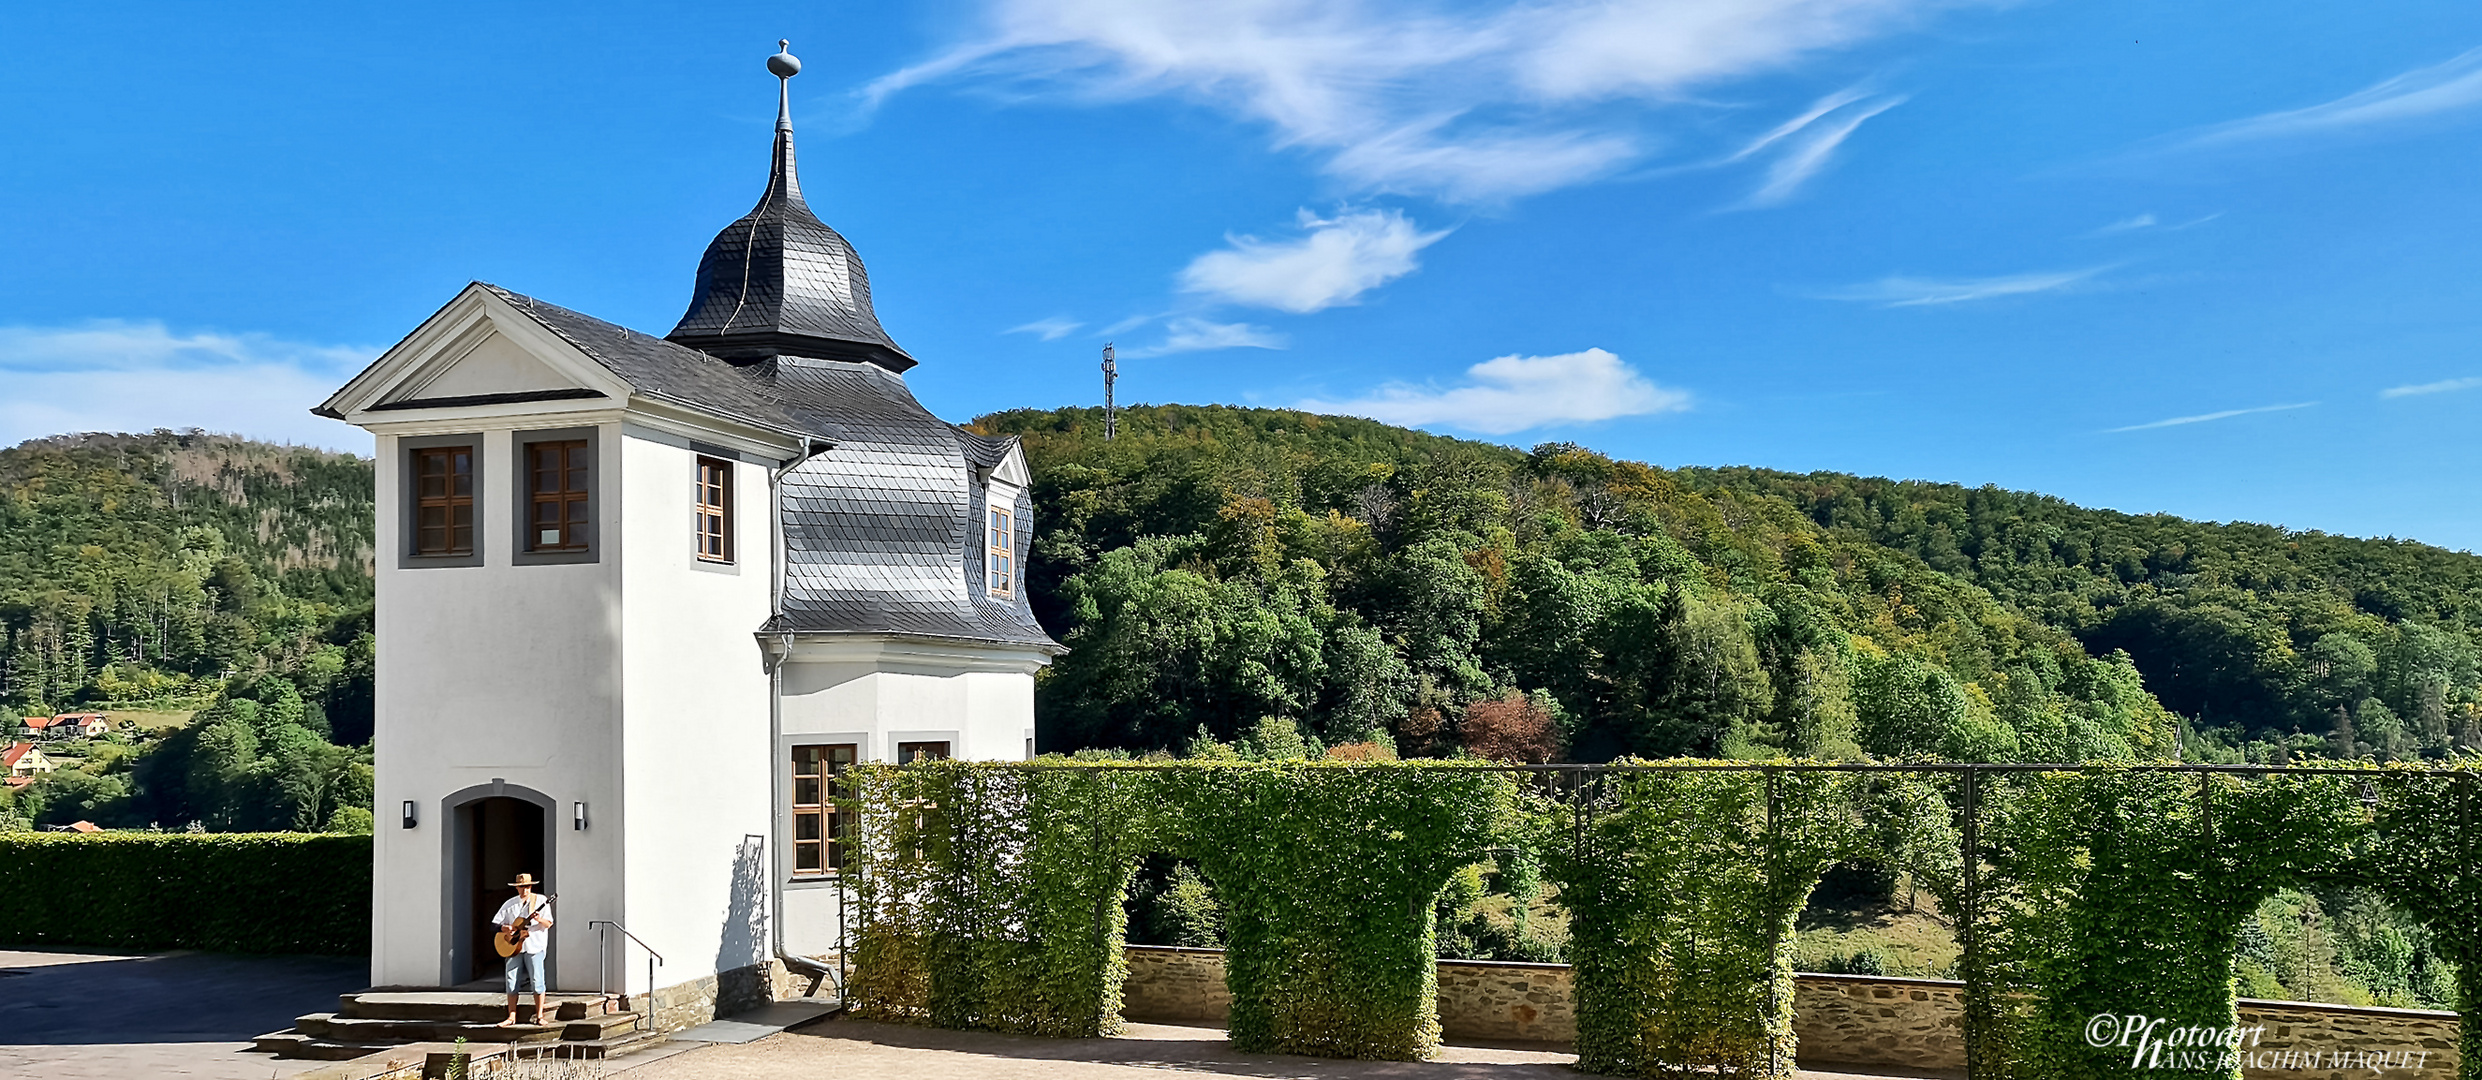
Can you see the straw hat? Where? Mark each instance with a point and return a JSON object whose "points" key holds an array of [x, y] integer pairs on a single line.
{"points": [[524, 881]]}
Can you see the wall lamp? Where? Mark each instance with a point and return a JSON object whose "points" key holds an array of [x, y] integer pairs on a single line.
{"points": [[409, 813], [577, 816]]}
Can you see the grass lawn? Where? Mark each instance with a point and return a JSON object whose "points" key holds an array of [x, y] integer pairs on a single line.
{"points": [[1906, 936]]}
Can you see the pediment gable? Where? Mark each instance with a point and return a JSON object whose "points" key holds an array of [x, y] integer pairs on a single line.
{"points": [[1012, 468], [490, 366], [475, 354]]}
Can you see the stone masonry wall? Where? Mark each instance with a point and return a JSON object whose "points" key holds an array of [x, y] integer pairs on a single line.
{"points": [[1880, 1020], [2334, 1031], [1175, 986], [1495, 1002], [1840, 1019]]}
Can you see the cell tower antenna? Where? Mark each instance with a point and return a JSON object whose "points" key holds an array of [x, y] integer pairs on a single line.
{"points": [[1111, 413]]}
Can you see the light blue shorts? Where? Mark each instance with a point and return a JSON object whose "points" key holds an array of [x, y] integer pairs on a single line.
{"points": [[531, 963]]}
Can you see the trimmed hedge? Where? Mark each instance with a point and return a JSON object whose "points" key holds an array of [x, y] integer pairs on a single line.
{"points": [[223, 892]]}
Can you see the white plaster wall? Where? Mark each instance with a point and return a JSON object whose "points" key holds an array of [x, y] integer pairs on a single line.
{"points": [[493, 672], [893, 696], [694, 753]]}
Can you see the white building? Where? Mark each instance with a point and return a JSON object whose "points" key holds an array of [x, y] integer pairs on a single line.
{"points": [[635, 593]]}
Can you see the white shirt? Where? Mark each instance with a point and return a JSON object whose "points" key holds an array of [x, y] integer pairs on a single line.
{"points": [[516, 909]]}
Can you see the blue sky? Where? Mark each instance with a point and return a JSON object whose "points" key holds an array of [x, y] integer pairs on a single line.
{"points": [[2217, 259]]}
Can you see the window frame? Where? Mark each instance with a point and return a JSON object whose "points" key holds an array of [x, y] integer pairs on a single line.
{"points": [[718, 514], [999, 555], [409, 452], [943, 754], [569, 522], [526, 550], [830, 817]]}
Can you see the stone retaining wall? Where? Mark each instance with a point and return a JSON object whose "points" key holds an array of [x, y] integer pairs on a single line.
{"points": [[1175, 986], [1864, 1020], [2334, 1031], [689, 1004]]}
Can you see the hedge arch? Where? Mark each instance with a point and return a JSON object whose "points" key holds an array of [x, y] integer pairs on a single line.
{"points": [[2118, 891], [1682, 889], [1327, 872], [989, 896], [2426, 855]]}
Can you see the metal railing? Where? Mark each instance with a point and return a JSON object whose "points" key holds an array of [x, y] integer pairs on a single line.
{"points": [[603, 981]]}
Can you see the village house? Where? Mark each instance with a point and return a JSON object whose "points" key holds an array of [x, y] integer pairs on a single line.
{"points": [[587, 533], [25, 761], [67, 726]]}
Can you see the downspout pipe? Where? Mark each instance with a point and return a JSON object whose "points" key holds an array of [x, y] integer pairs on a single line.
{"points": [[776, 647]]}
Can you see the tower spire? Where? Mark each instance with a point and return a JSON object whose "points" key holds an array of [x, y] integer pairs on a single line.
{"points": [[783, 182], [779, 282]]}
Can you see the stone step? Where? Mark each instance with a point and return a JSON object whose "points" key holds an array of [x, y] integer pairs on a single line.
{"points": [[606, 1026], [296, 1044], [456, 1006], [602, 1048], [352, 1029]]}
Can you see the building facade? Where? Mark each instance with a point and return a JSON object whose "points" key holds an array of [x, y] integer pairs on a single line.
{"points": [[639, 595]]}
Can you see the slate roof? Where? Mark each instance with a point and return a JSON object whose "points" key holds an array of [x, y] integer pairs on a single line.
{"points": [[780, 282], [660, 369], [883, 532]]}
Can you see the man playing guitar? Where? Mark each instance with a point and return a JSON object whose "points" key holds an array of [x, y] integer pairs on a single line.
{"points": [[523, 923]]}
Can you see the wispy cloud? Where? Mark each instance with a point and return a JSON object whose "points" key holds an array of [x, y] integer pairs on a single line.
{"points": [[1477, 104], [2443, 88], [1049, 329], [1902, 291], [1334, 262], [1516, 393], [137, 376], [1188, 334], [2150, 223], [2201, 418], [1805, 145], [2443, 386]]}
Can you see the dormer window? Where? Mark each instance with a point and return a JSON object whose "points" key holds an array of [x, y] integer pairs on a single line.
{"points": [[1000, 565]]}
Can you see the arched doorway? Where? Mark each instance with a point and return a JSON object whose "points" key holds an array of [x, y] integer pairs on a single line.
{"points": [[497, 832]]}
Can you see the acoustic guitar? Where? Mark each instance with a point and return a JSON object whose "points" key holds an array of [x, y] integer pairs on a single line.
{"points": [[513, 937]]}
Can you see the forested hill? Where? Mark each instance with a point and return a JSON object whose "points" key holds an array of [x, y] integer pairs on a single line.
{"points": [[1217, 565], [2247, 628], [156, 567], [1214, 567]]}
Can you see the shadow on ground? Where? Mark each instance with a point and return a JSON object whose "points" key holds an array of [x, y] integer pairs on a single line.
{"points": [[64, 999]]}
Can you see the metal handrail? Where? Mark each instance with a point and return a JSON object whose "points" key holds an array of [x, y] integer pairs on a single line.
{"points": [[603, 979]]}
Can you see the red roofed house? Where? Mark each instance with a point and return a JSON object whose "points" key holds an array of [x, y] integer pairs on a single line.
{"points": [[68, 725], [25, 760], [82, 725]]}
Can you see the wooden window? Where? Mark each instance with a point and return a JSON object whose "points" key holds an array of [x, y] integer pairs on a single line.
{"points": [[714, 501], [907, 753], [557, 490], [821, 821], [1001, 566], [444, 500]]}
